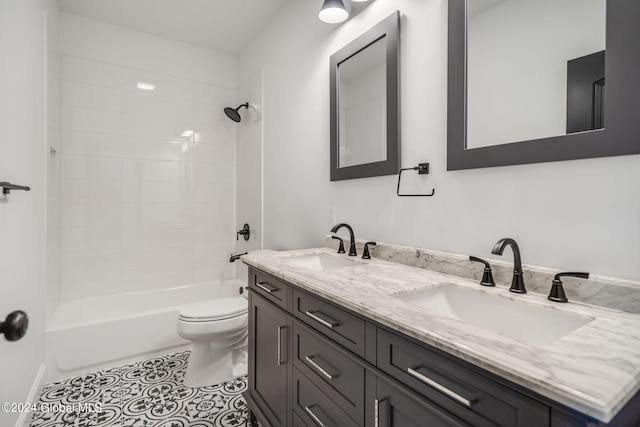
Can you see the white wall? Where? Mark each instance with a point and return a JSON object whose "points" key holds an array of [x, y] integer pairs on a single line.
{"points": [[577, 215], [517, 65], [147, 177], [23, 49]]}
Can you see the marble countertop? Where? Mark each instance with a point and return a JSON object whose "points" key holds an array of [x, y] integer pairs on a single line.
{"points": [[594, 369]]}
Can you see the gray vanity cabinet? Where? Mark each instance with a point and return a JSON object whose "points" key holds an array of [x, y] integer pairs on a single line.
{"points": [[394, 407], [313, 363], [269, 364]]}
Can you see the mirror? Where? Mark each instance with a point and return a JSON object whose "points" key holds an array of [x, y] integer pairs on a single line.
{"points": [[522, 93], [365, 137]]}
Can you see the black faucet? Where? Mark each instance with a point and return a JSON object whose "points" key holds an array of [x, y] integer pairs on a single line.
{"points": [[557, 291], [517, 284], [352, 243]]}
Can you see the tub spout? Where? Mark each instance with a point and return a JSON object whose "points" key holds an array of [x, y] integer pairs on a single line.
{"points": [[235, 257]]}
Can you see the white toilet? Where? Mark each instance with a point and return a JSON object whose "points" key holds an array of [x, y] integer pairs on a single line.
{"points": [[218, 329]]}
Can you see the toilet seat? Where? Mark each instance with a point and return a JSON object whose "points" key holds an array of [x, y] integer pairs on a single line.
{"points": [[215, 309]]}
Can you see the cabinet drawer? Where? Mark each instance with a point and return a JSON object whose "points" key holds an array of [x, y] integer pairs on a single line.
{"points": [[336, 323], [451, 385], [314, 407], [341, 378], [270, 287]]}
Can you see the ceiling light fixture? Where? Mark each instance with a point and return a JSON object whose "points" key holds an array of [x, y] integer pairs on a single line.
{"points": [[333, 12]]}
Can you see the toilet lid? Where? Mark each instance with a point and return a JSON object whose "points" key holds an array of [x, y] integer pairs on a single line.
{"points": [[214, 309]]}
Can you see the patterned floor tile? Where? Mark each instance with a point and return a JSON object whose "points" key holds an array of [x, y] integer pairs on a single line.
{"points": [[144, 394]]}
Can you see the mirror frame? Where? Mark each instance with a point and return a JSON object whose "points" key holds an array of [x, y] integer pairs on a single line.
{"points": [[389, 28], [621, 133]]}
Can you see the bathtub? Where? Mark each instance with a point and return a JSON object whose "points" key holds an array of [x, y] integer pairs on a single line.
{"points": [[93, 333]]}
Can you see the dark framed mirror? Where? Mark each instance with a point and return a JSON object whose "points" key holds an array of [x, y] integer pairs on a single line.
{"points": [[615, 128], [364, 113]]}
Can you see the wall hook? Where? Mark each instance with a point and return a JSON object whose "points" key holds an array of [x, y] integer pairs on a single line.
{"points": [[423, 169]]}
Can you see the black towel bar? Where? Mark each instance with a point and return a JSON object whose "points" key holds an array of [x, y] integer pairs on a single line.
{"points": [[7, 187]]}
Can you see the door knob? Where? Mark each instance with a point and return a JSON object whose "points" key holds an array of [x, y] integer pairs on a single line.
{"points": [[15, 325]]}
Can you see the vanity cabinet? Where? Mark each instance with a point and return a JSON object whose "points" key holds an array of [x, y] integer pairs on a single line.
{"points": [[269, 365], [313, 363]]}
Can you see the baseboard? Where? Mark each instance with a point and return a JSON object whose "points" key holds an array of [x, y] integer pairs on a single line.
{"points": [[24, 417]]}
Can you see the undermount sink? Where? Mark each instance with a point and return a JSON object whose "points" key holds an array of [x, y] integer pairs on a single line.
{"points": [[320, 262], [519, 320]]}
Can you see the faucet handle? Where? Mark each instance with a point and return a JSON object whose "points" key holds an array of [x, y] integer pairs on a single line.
{"points": [[487, 276], [341, 247], [365, 251], [557, 290]]}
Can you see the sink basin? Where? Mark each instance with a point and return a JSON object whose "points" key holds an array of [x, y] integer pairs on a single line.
{"points": [[519, 320], [320, 262]]}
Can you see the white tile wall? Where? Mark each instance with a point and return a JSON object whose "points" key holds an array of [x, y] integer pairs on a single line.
{"points": [[147, 180]]}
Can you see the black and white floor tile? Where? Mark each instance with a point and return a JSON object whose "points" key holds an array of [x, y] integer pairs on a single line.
{"points": [[144, 394]]}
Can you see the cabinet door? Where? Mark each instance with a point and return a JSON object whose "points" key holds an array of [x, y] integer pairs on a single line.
{"points": [[394, 408], [269, 359]]}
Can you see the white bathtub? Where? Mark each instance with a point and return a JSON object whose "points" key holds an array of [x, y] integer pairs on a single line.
{"points": [[92, 333]]}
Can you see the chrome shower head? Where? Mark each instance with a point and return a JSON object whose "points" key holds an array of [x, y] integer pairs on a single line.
{"points": [[233, 114]]}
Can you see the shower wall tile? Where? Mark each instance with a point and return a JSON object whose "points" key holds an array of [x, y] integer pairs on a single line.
{"points": [[80, 191], [92, 72], [91, 96], [152, 236], [215, 173], [156, 170], [214, 193], [91, 143], [157, 149], [133, 281], [221, 131], [88, 214], [157, 127], [85, 167], [87, 238], [143, 205], [214, 153], [216, 95], [91, 264], [158, 214], [171, 87], [212, 212], [91, 119], [159, 106], [158, 258]]}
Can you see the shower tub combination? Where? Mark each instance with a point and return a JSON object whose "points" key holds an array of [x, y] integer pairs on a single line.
{"points": [[93, 333]]}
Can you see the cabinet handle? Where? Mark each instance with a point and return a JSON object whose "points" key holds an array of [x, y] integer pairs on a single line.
{"points": [[280, 329], [263, 285], [313, 416], [436, 385], [329, 324], [376, 413], [319, 368]]}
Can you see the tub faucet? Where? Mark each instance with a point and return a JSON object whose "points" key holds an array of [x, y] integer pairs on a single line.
{"points": [[517, 284], [352, 243]]}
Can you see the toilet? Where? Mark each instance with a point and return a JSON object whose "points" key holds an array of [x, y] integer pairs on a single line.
{"points": [[218, 329]]}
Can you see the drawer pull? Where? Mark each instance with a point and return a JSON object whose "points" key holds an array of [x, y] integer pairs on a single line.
{"points": [[313, 416], [452, 394], [319, 368], [267, 287], [328, 323], [280, 329]]}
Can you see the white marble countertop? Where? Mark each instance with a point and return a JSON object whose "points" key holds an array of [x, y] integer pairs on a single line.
{"points": [[594, 369]]}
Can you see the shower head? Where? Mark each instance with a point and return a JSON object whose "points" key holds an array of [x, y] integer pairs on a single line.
{"points": [[233, 114]]}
